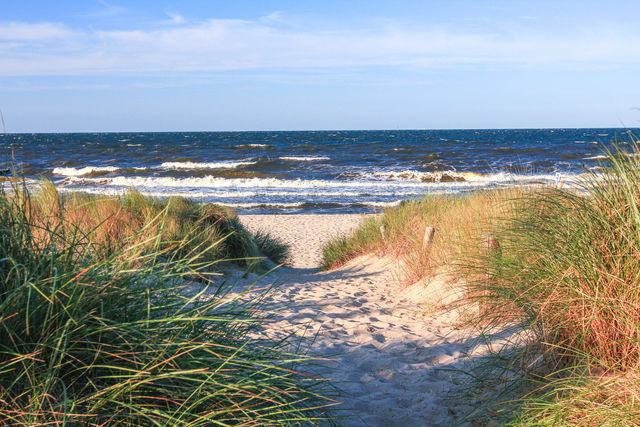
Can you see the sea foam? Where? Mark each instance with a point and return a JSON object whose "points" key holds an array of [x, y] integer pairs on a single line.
{"points": [[84, 171], [210, 165], [304, 158]]}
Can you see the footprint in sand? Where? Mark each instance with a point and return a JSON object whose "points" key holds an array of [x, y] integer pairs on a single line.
{"points": [[391, 372]]}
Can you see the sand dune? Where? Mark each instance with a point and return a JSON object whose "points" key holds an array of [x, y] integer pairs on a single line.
{"points": [[396, 354]]}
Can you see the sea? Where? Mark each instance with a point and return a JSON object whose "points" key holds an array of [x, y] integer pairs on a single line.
{"points": [[308, 171]]}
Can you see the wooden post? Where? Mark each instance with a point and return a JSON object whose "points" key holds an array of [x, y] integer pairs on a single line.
{"points": [[490, 244], [427, 241], [382, 231]]}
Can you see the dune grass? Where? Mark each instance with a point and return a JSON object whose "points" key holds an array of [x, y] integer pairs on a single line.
{"points": [[459, 221], [569, 272], [109, 316], [567, 275], [111, 221]]}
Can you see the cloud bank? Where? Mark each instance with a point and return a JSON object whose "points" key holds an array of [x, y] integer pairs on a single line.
{"points": [[271, 42]]}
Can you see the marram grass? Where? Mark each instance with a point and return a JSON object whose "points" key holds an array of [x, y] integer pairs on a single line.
{"points": [[569, 273], [459, 222], [108, 222], [121, 335]]}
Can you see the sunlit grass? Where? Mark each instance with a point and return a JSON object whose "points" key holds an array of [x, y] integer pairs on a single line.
{"points": [[459, 222], [109, 316], [111, 222], [569, 272]]}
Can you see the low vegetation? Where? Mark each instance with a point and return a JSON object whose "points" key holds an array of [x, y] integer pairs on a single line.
{"points": [[459, 223], [109, 315], [567, 272], [110, 223]]}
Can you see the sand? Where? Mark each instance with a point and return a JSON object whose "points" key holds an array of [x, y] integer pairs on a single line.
{"points": [[396, 353], [305, 233]]}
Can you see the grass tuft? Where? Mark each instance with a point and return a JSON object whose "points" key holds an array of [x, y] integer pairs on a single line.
{"points": [[272, 247], [459, 222], [100, 322], [569, 273], [111, 222]]}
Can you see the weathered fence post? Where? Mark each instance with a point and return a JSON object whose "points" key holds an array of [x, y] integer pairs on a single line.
{"points": [[427, 241], [490, 244]]}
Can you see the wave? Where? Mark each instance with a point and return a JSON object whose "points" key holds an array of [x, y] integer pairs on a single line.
{"points": [[245, 146], [374, 181], [432, 177], [304, 158], [212, 165], [213, 197], [381, 204], [598, 157], [217, 182], [87, 170], [453, 178], [417, 176], [292, 205]]}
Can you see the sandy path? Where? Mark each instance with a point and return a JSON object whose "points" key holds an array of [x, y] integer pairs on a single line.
{"points": [[392, 360], [305, 233]]}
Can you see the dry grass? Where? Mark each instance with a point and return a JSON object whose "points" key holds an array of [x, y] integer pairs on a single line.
{"points": [[110, 224], [606, 401], [104, 322], [460, 222], [569, 272]]}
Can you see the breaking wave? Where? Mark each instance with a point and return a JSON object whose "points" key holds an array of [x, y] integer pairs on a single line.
{"points": [[387, 180], [304, 158], [211, 165], [243, 146], [87, 170]]}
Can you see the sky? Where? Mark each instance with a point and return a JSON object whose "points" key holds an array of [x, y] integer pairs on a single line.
{"points": [[160, 65]]}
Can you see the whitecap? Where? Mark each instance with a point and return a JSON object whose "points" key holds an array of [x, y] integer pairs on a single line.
{"points": [[83, 171], [252, 145], [304, 158], [210, 165]]}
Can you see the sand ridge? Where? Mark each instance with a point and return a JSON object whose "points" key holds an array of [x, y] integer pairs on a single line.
{"points": [[394, 357]]}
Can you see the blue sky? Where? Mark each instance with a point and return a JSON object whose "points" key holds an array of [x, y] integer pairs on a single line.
{"points": [[275, 65]]}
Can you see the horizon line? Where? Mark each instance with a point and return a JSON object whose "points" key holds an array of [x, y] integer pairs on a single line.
{"points": [[316, 130]]}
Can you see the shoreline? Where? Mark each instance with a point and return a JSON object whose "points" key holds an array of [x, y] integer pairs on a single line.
{"points": [[306, 233]]}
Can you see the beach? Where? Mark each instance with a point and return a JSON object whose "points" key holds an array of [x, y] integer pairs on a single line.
{"points": [[305, 233], [395, 351], [319, 213]]}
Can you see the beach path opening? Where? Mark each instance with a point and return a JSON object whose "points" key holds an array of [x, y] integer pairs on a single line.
{"points": [[395, 354]]}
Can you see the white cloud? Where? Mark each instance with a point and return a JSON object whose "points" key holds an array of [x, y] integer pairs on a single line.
{"points": [[35, 32], [276, 17], [225, 44]]}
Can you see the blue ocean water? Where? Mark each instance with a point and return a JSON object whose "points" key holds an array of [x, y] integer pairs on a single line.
{"points": [[317, 171]]}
